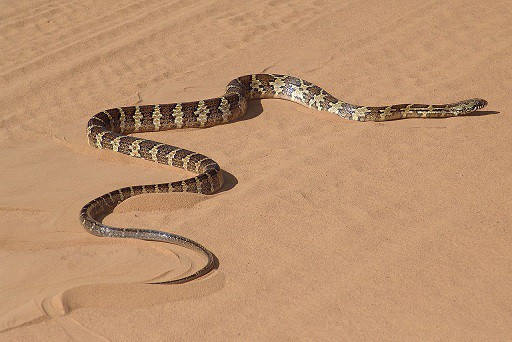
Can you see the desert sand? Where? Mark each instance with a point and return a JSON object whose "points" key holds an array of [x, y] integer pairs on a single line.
{"points": [[326, 229]]}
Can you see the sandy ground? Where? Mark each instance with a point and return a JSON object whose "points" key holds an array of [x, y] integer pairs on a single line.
{"points": [[326, 229]]}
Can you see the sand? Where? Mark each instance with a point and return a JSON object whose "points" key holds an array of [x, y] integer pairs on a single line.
{"points": [[326, 229]]}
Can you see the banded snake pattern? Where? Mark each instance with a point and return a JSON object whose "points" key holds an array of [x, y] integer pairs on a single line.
{"points": [[109, 130]]}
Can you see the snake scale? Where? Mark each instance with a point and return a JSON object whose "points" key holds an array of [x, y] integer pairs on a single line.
{"points": [[109, 130]]}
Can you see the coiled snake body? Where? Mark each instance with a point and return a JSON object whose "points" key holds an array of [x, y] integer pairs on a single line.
{"points": [[109, 129]]}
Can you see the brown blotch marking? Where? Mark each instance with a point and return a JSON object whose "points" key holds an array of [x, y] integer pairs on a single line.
{"points": [[194, 159], [191, 185], [206, 185], [151, 188], [163, 187], [176, 187], [202, 177], [145, 147], [137, 190], [106, 140], [125, 144], [163, 152], [126, 192], [178, 157]]}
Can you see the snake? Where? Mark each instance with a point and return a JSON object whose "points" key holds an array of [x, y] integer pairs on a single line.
{"points": [[110, 130]]}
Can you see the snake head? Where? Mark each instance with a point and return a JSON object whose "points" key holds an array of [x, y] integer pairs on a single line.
{"points": [[471, 105]]}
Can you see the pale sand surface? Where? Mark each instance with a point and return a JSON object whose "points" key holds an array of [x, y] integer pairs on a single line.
{"points": [[326, 228]]}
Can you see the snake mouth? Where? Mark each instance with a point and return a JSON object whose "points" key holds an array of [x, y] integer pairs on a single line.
{"points": [[479, 104]]}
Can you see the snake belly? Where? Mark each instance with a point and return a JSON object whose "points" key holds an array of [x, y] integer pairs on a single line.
{"points": [[110, 130]]}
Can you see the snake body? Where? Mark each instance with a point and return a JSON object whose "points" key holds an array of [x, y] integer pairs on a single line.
{"points": [[109, 130]]}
